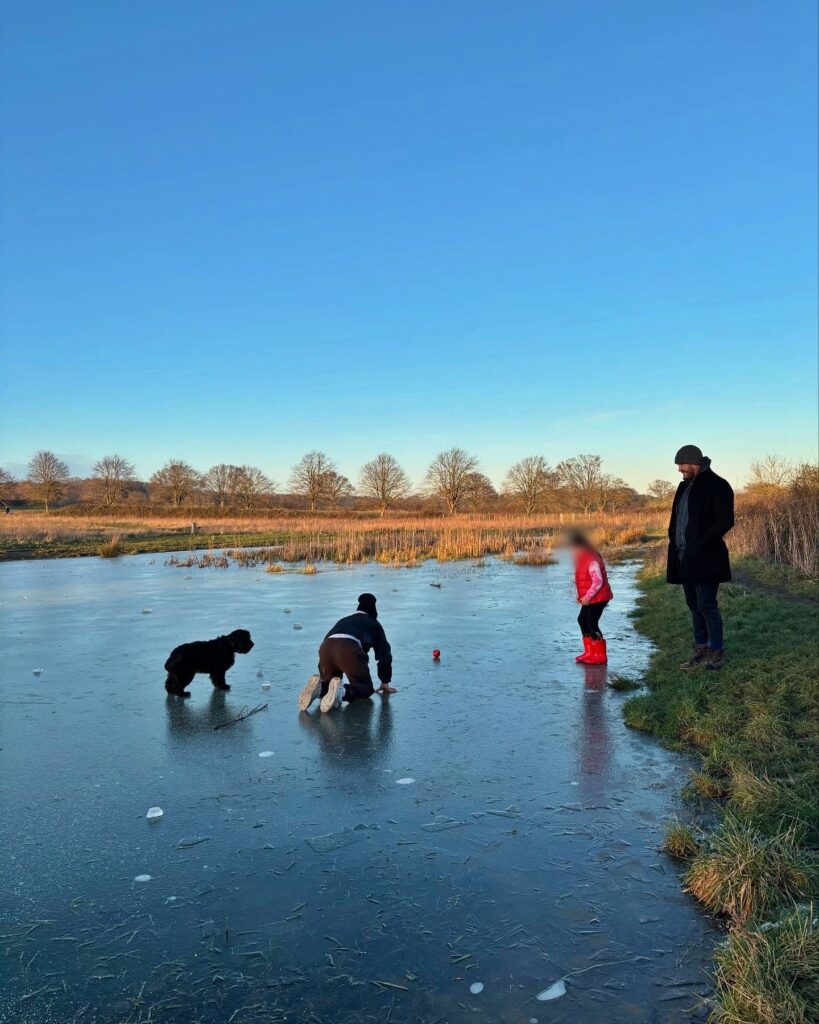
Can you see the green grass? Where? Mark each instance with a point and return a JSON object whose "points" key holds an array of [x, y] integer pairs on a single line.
{"points": [[755, 726]]}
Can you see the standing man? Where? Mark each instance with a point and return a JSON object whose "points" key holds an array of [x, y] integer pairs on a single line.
{"points": [[344, 652], [702, 513]]}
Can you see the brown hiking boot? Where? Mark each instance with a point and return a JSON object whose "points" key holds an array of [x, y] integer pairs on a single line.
{"points": [[715, 660], [698, 658]]}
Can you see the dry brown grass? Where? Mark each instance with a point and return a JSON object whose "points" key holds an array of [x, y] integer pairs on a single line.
{"points": [[397, 539]]}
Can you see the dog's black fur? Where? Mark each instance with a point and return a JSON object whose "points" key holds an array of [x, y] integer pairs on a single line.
{"points": [[213, 657]]}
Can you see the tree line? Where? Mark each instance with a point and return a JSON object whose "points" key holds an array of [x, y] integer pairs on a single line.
{"points": [[453, 483]]}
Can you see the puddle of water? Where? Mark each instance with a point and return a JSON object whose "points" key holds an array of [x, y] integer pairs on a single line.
{"points": [[309, 884]]}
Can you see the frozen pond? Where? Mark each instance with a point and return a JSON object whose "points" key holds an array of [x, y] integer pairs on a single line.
{"points": [[309, 885]]}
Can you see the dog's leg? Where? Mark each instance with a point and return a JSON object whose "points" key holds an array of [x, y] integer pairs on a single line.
{"points": [[218, 680], [176, 683]]}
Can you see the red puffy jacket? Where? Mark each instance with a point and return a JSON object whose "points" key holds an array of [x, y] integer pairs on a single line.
{"points": [[583, 578]]}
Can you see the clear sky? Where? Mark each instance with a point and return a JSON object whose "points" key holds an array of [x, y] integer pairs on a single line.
{"points": [[240, 231]]}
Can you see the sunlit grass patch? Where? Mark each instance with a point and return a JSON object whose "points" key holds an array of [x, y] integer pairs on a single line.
{"points": [[111, 548], [745, 874], [679, 841], [769, 973]]}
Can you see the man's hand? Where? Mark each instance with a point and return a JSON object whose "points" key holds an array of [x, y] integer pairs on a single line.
{"points": [[383, 688]]}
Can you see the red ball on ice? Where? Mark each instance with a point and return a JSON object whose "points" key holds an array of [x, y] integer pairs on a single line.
{"points": [[436, 654]]}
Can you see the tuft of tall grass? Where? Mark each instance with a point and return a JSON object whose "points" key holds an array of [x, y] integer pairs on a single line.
{"points": [[679, 841], [745, 874], [769, 974], [111, 548]]}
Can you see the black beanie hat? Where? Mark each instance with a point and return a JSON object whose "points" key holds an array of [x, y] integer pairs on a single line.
{"points": [[689, 455], [366, 603]]}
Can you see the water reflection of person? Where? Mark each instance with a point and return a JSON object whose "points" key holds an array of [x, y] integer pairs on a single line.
{"points": [[595, 741], [362, 735]]}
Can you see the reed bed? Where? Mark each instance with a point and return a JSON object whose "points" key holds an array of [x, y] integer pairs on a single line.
{"points": [[783, 529], [398, 539]]}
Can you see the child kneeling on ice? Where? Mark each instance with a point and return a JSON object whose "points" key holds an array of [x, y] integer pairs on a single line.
{"points": [[593, 593]]}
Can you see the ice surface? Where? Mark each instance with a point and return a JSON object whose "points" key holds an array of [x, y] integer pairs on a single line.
{"points": [[317, 888]]}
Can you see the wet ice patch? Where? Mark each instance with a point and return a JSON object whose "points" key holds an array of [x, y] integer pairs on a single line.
{"points": [[142, 878], [476, 988], [552, 992], [266, 753], [335, 840], [442, 824], [404, 782], [154, 813]]}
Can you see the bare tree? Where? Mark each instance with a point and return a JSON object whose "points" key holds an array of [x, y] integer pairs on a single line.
{"points": [[771, 474], [7, 482], [336, 488], [481, 495], [176, 481], [448, 477], [251, 485], [48, 475], [384, 480], [113, 474], [530, 480], [583, 480], [616, 495], [221, 481], [661, 491], [309, 477]]}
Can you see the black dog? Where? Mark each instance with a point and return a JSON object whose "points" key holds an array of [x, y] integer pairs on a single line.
{"points": [[213, 657]]}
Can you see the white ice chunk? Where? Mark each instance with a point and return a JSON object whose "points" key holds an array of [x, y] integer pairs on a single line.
{"points": [[266, 753], [36, 671], [147, 611], [552, 992], [404, 782], [266, 685], [297, 625], [142, 878], [154, 813], [286, 611], [476, 988]]}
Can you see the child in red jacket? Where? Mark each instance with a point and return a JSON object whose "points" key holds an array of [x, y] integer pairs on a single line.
{"points": [[593, 594]]}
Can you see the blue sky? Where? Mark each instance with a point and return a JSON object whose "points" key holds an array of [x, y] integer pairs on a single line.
{"points": [[237, 232]]}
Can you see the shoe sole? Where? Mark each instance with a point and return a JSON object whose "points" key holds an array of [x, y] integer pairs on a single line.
{"points": [[331, 699], [310, 692]]}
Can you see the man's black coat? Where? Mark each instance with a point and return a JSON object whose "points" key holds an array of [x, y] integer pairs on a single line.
{"points": [[710, 517]]}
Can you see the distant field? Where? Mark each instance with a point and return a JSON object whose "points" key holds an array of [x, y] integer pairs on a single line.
{"points": [[396, 539]]}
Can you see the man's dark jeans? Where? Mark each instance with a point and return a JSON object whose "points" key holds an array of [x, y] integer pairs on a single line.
{"points": [[701, 599]]}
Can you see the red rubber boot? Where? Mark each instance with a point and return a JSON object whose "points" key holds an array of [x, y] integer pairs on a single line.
{"points": [[587, 642], [598, 655]]}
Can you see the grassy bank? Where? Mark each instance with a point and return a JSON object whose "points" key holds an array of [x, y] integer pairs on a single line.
{"points": [[751, 844]]}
